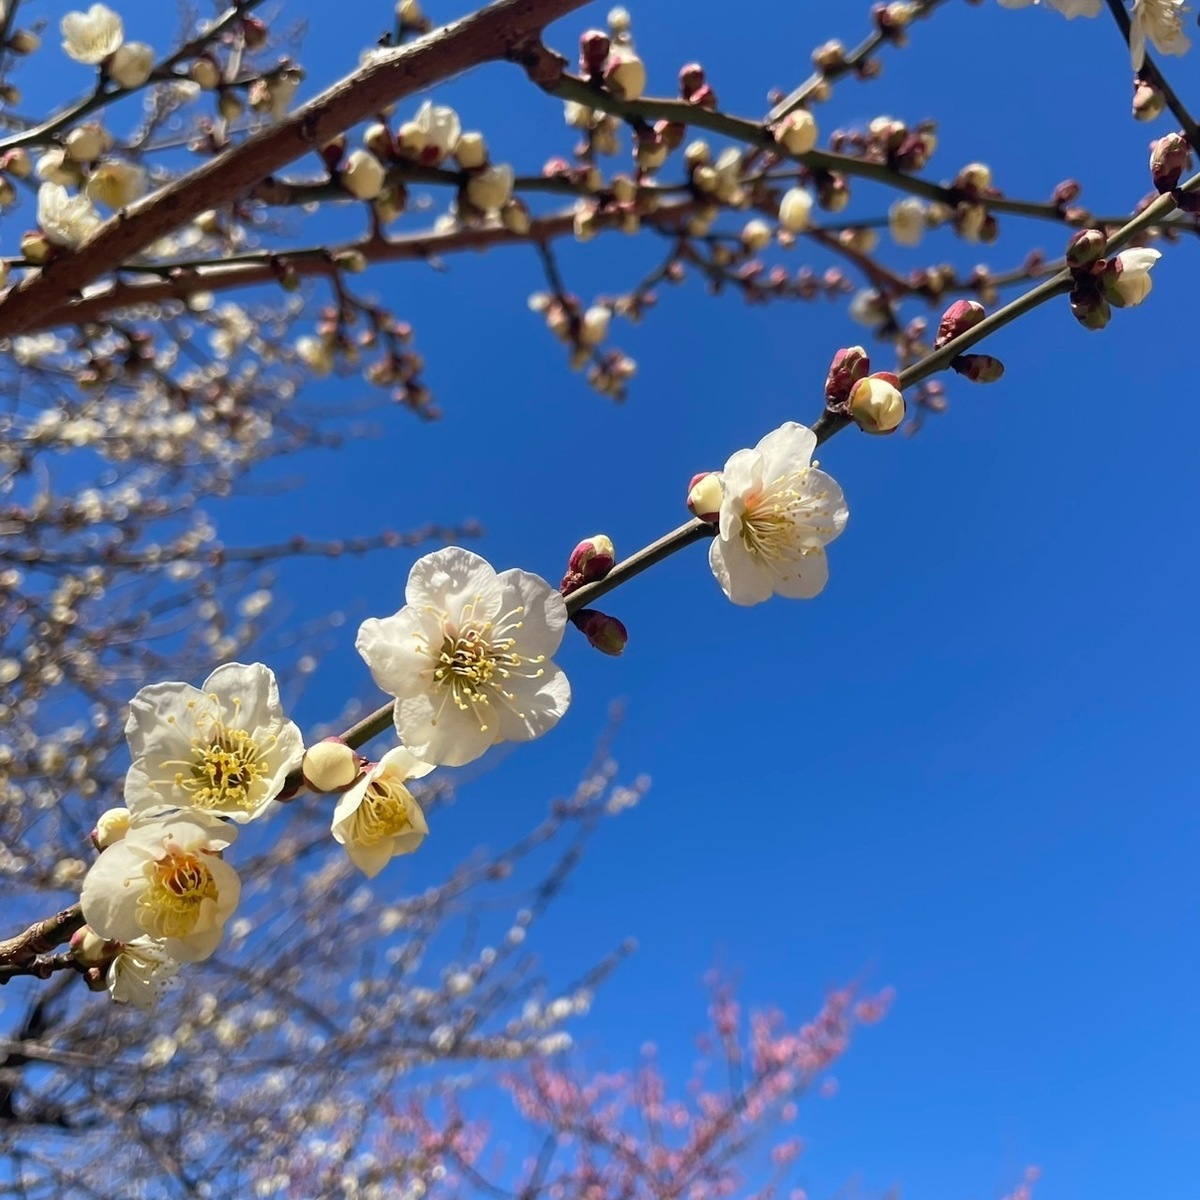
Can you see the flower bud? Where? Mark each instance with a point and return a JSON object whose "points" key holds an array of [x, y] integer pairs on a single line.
{"points": [[85, 143], [1170, 156], [1148, 101], [756, 235], [833, 193], [797, 132], [625, 74], [492, 188], [111, 827], [704, 496], [1089, 307], [131, 65], [514, 216], [363, 175], [974, 178], [592, 559], [1085, 247], [36, 247], [205, 73], [848, 367], [691, 79], [17, 163], [876, 403], [594, 47], [89, 949], [1126, 278], [230, 106], [116, 184], [906, 221], [978, 368], [795, 209], [331, 765], [471, 150], [24, 41], [604, 633], [961, 316]]}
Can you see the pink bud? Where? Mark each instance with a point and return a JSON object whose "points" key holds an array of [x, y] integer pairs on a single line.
{"points": [[592, 559], [1170, 156], [979, 368], [1089, 307], [604, 633], [691, 79], [1085, 247], [848, 367], [957, 319], [593, 51]]}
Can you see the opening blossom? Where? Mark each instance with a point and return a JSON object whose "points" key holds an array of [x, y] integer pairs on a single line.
{"points": [[225, 748], [139, 972], [66, 220], [378, 818], [1159, 22], [90, 37], [468, 657], [1130, 282], [165, 879], [777, 514]]}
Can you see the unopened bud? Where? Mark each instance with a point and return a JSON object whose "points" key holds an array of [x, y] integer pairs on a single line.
{"points": [[795, 209], [1085, 247], [24, 41], [112, 826], [471, 150], [691, 79], [36, 247], [514, 216], [1090, 308], [594, 46], [363, 175], [331, 766], [961, 316], [849, 365], [756, 235], [1170, 156], [833, 193], [704, 496], [625, 75], [974, 177], [1148, 101], [876, 403], [797, 132], [592, 559], [604, 633], [205, 73], [978, 368], [89, 949]]}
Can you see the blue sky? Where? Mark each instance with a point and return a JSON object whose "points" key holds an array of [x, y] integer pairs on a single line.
{"points": [[962, 770]]}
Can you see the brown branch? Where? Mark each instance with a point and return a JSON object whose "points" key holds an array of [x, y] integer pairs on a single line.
{"points": [[40, 938], [487, 35]]}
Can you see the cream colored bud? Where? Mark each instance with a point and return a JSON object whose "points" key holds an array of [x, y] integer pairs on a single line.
{"points": [[471, 150], [116, 184], [89, 949], [797, 132], [409, 12], [696, 153], [24, 41], [705, 495], [389, 204], [756, 235], [514, 216], [331, 766], [876, 404], [132, 64], [906, 221], [795, 209], [378, 139], [705, 179], [230, 106], [35, 247], [18, 164], [205, 73], [976, 175], [625, 74], [112, 826], [411, 139], [492, 188], [624, 190], [362, 175], [85, 143], [593, 329]]}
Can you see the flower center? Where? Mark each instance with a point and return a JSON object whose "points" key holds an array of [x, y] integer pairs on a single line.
{"points": [[180, 886], [385, 812], [774, 524], [477, 659], [226, 768]]}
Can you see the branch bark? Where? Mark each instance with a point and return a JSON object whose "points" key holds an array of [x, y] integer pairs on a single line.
{"points": [[492, 33]]}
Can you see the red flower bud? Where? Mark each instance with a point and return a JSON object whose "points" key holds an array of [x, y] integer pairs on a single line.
{"points": [[592, 559], [593, 51], [961, 316], [979, 368], [848, 367], [1170, 156], [604, 633]]}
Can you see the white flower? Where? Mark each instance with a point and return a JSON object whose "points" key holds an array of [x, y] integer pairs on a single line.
{"points": [[139, 972], [906, 221], [1130, 282], [92, 36], [795, 209], [225, 748], [116, 184], [1159, 22], [165, 879], [378, 818], [111, 827], [777, 514], [66, 220], [468, 657], [363, 175], [55, 167], [131, 64], [492, 188], [439, 128]]}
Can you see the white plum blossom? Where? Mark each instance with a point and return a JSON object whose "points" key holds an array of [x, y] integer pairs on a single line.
{"points": [[139, 972], [778, 512], [1159, 22], [1130, 282], [225, 747], [468, 657], [90, 37], [116, 184], [378, 818], [165, 879], [66, 220]]}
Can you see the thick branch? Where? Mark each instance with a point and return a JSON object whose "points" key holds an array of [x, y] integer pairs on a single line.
{"points": [[490, 34]]}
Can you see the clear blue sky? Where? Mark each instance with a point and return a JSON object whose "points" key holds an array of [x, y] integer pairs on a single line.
{"points": [[963, 770]]}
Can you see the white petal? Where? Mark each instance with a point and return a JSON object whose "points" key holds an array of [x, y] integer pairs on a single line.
{"points": [[786, 449], [537, 706], [738, 572], [545, 615], [451, 578], [111, 890], [249, 696], [399, 651], [451, 738]]}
